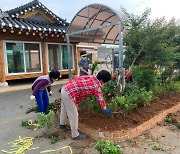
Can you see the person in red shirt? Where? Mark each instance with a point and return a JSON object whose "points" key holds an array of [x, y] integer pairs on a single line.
{"points": [[74, 91]]}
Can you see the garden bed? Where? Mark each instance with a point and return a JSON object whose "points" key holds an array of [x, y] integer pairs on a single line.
{"points": [[118, 128], [133, 119]]}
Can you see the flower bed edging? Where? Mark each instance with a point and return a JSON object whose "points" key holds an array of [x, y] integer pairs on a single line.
{"points": [[122, 135]]}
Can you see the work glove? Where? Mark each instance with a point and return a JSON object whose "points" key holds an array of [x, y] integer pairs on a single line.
{"points": [[107, 111], [32, 97], [50, 93]]}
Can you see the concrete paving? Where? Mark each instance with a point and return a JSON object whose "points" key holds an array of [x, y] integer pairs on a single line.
{"points": [[14, 102]]}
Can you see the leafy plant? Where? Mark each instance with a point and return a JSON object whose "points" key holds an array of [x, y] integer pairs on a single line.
{"points": [[144, 76], [50, 107], [157, 146], [54, 139], [131, 88], [144, 96], [107, 147], [94, 66], [109, 89], [46, 121], [168, 119], [25, 123]]}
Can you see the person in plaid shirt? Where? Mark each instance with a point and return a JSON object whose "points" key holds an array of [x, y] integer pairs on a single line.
{"points": [[74, 91]]}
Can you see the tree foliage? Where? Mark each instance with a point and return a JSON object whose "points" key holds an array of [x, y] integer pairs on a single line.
{"points": [[152, 43]]}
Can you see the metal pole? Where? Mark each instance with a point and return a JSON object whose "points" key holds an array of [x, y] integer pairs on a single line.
{"points": [[69, 56], [121, 71], [120, 48], [113, 60]]}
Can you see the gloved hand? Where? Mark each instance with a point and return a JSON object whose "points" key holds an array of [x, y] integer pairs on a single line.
{"points": [[50, 93], [107, 111], [32, 97]]}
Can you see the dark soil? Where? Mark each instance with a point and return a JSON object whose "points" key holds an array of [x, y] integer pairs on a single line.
{"points": [[118, 121]]}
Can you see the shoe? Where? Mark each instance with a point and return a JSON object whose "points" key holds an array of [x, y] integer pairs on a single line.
{"points": [[65, 127], [79, 137]]}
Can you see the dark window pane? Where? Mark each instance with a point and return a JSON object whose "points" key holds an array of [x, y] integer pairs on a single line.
{"points": [[65, 57], [15, 57]]}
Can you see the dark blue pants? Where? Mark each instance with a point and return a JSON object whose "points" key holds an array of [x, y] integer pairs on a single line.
{"points": [[42, 100]]}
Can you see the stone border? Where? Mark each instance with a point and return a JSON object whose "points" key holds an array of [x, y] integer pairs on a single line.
{"points": [[122, 135]]}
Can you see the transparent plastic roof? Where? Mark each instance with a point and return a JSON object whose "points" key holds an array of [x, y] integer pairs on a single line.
{"points": [[95, 23]]}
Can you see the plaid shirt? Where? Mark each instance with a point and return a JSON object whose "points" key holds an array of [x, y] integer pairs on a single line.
{"points": [[83, 87]]}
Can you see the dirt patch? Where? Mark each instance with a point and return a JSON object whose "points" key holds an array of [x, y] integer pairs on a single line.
{"points": [[118, 121]]}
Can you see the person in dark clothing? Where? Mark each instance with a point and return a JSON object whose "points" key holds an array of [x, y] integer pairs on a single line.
{"points": [[39, 89], [83, 63]]}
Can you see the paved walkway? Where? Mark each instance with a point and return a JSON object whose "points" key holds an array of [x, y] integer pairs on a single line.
{"points": [[28, 86]]}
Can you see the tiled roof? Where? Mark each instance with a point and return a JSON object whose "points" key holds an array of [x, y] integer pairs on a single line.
{"points": [[10, 19]]}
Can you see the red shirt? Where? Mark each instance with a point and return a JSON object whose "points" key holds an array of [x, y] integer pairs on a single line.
{"points": [[83, 87]]}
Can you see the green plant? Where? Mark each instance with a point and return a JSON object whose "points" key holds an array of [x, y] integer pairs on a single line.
{"points": [[46, 121], [50, 107], [173, 86], [109, 89], [157, 89], [107, 147], [144, 76], [90, 104], [54, 139], [25, 123], [117, 103], [168, 119], [131, 88], [157, 146], [144, 96], [131, 98], [94, 66]]}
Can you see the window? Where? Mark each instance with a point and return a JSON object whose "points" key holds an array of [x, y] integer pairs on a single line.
{"points": [[15, 57], [32, 57], [23, 57], [58, 56], [54, 56], [65, 57]]}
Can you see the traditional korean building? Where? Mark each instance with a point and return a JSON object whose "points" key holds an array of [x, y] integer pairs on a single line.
{"points": [[32, 42]]}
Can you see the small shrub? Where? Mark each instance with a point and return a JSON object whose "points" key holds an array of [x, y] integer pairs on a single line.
{"points": [[109, 89], [168, 119], [107, 147], [54, 139], [131, 88], [145, 97], [25, 123], [173, 86], [157, 89], [94, 66], [130, 103], [144, 76], [46, 121], [157, 146], [90, 104], [117, 103], [50, 107]]}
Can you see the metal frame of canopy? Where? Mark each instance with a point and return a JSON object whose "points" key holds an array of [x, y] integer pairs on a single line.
{"points": [[110, 25]]}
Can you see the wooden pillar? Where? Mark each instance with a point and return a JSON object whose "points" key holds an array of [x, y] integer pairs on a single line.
{"points": [[44, 58], [2, 63]]}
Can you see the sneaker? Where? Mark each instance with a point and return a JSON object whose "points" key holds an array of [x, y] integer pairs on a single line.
{"points": [[65, 127], [79, 137]]}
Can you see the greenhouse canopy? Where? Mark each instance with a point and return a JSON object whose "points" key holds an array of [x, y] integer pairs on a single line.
{"points": [[96, 23]]}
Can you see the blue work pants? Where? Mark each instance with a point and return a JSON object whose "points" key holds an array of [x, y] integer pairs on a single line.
{"points": [[42, 100]]}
